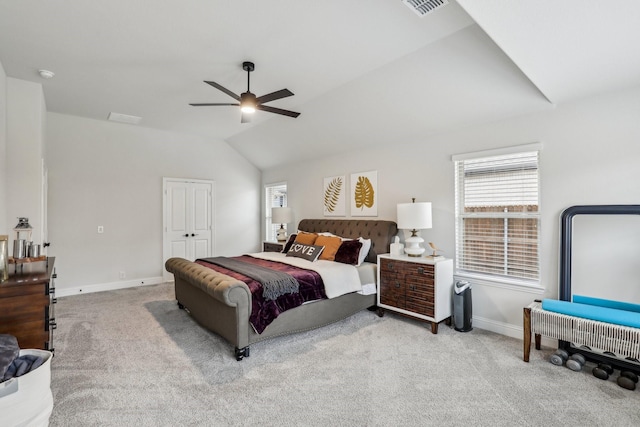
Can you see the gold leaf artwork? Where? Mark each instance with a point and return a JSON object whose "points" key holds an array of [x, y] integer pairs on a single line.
{"points": [[332, 194], [364, 194]]}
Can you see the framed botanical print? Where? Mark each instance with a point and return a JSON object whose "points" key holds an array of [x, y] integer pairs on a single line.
{"points": [[364, 194], [334, 196]]}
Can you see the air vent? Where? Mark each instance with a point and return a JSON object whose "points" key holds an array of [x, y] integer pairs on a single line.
{"points": [[424, 7], [124, 118]]}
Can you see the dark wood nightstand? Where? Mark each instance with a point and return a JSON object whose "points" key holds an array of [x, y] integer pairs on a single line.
{"points": [[416, 287], [272, 246]]}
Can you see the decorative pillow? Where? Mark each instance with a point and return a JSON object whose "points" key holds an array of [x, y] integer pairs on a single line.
{"points": [[308, 252], [366, 246], [306, 238], [287, 245], [331, 245], [348, 252]]}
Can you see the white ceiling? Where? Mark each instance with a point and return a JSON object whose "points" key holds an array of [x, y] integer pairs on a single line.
{"points": [[364, 72]]}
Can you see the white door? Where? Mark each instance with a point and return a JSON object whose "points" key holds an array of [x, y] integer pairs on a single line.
{"points": [[188, 220]]}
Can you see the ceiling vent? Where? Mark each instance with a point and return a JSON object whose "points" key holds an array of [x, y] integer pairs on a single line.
{"points": [[424, 7], [124, 118]]}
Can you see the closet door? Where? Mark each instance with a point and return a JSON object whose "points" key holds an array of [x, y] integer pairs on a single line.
{"points": [[188, 219]]}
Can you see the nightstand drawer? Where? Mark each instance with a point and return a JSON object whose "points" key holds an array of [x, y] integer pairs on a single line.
{"points": [[272, 247]]}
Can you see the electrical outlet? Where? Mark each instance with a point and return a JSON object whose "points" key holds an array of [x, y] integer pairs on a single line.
{"points": [[100, 229], [122, 275]]}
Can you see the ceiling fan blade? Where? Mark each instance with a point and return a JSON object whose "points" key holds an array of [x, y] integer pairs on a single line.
{"points": [[245, 118], [279, 94], [278, 111], [210, 104], [223, 89]]}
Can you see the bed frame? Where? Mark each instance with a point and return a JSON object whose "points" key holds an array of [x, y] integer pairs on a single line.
{"points": [[222, 304], [578, 335]]}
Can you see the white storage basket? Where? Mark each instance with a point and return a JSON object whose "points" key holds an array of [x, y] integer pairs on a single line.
{"points": [[27, 400]]}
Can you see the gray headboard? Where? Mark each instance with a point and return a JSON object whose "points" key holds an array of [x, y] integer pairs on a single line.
{"points": [[380, 232]]}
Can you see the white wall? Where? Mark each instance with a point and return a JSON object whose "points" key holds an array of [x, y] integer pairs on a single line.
{"points": [[4, 227], [590, 155], [110, 174], [24, 154]]}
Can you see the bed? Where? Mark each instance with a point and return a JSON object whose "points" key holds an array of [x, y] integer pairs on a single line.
{"points": [[223, 304]]}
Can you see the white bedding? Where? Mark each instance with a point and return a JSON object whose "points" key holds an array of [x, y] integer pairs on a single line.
{"points": [[338, 278]]}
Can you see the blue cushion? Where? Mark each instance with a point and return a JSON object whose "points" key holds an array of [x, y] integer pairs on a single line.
{"points": [[618, 305], [601, 314]]}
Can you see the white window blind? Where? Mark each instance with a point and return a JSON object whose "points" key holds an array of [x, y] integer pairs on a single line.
{"points": [[498, 216], [275, 196]]}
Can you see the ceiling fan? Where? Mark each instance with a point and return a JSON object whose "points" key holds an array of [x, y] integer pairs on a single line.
{"points": [[248, 102]]}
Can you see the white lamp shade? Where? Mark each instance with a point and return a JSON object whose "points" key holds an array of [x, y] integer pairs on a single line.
{"points": [[281, 215], [414, 216]]}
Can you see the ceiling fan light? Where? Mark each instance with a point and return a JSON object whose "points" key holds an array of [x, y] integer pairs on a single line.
{"points": [[248, 109]]}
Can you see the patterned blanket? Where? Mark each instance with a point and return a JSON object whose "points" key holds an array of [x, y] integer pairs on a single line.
{"points": [[264, 311]]}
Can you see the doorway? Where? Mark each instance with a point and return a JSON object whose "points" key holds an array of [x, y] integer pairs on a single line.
{"points": [[187, 219]]}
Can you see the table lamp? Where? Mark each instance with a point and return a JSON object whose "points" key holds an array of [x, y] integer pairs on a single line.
{"points": [[281, 215], [414, 216]]}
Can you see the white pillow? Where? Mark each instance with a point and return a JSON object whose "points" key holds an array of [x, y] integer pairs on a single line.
{"points": [[364, 250]]}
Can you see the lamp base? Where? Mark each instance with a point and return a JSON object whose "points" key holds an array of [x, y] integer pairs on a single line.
{"points": [[412, 246], [281, 236]]}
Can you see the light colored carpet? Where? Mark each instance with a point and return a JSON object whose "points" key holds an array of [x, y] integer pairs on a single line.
{"points": [[131, 358]]}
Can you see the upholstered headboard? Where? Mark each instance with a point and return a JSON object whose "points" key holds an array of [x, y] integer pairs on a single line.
{"points": [[380, 232]]}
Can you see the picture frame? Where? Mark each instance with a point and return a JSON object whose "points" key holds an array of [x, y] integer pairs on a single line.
{"points": [[334, 196], [364, 194]]}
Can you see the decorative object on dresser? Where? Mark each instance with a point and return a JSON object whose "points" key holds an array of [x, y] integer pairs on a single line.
{"points": [[434, 255], [414, 216], [272, 246], [281, 215], [27, 302], [416, 287]]}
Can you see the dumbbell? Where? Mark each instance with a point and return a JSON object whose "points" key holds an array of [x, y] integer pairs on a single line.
{"points": [[602, 371], [628, 380], [559, 357], [576, 362]]}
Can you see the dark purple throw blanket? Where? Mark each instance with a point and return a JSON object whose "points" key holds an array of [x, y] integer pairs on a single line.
{"points": [[263, 311]]}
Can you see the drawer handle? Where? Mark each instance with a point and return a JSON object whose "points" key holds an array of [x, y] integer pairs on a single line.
{"points": [[420, 270], [53, 324], [390, 266], [397, 284]]}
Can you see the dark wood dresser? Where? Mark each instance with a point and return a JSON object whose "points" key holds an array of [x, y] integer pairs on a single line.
{"points": [[27, 305]]}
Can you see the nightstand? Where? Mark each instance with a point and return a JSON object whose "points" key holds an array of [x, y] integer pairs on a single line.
{"points": [[416, 287], [272, 246]]}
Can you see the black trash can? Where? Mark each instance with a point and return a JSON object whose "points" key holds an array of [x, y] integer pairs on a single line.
{"points": [[462, 306]]}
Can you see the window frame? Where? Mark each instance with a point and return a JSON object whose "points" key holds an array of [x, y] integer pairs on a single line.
{"points": [[270, 229], [500, 280]]}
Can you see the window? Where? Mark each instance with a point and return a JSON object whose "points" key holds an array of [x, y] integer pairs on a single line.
{"points": [[275, 196], [498, 215]]}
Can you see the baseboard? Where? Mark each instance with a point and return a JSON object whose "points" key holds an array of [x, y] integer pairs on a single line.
{"points": [[101, 287], [501, 328], [509, 330]]}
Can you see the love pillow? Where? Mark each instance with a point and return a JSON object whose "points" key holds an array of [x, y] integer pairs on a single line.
{"points": [[308, 252]]}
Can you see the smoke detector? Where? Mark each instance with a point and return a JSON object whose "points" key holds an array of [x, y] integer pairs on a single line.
{"points": [[46, 74], [424, 7]]}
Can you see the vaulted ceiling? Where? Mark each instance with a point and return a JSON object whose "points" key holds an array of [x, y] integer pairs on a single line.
{"points": [[363, 72]]}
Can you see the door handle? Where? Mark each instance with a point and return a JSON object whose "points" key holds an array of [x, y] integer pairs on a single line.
{"points": [[186, 235], [193, 235]]}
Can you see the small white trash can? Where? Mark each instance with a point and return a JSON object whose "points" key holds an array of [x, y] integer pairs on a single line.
{"points": [[27, 400]]}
